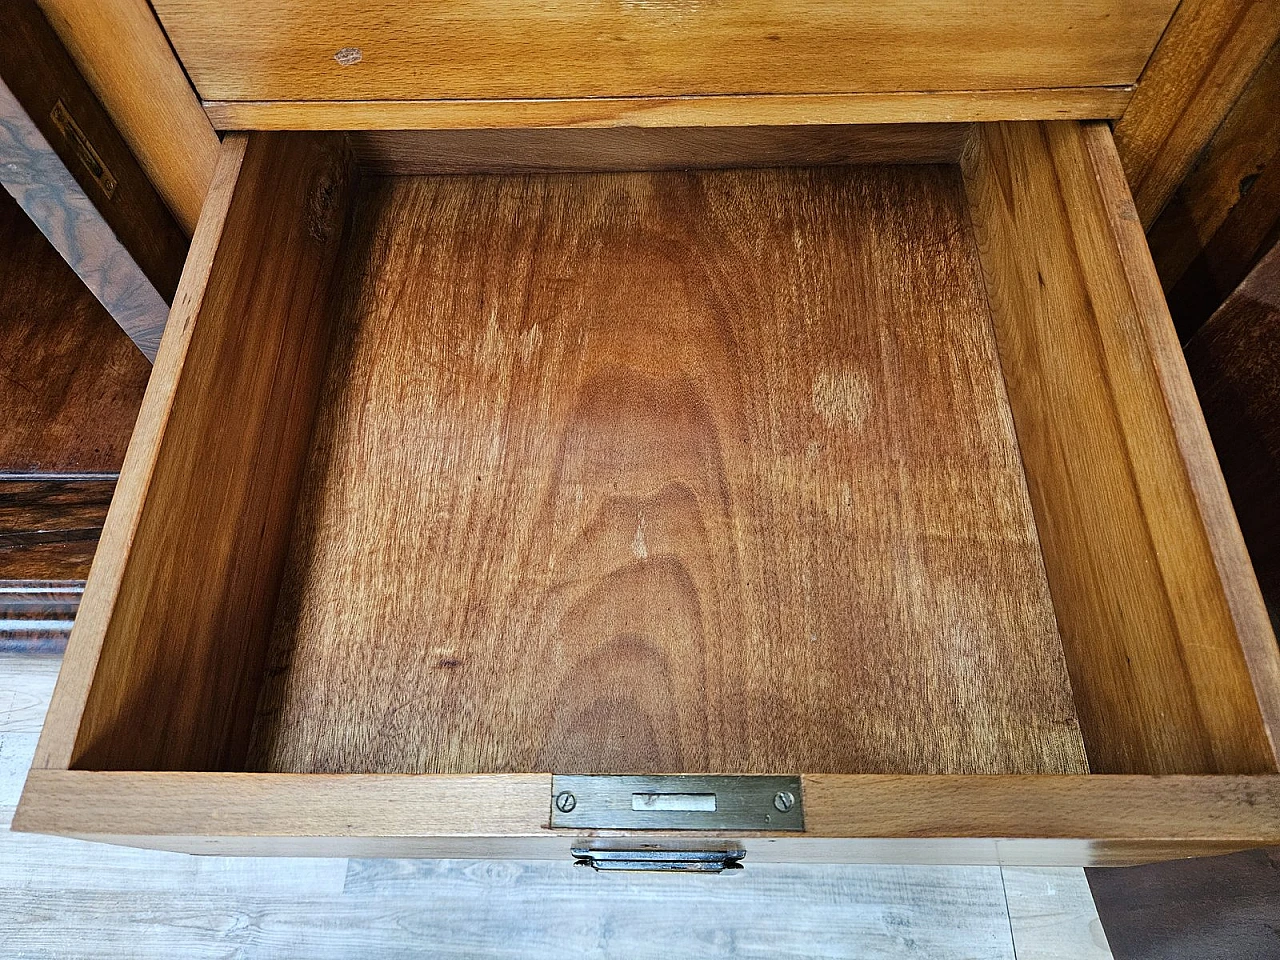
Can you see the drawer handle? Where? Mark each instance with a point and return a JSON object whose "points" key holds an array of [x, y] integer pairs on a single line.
{"points": [[669, 861]]}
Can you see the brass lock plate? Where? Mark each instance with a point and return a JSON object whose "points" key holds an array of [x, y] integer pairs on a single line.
{"points": [[676, 802]]}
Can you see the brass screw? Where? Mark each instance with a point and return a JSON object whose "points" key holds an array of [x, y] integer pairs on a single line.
{"points": [[784, 801], [565, 801]]}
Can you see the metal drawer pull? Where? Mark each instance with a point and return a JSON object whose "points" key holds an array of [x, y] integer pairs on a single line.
{"points": [[671, 861]]}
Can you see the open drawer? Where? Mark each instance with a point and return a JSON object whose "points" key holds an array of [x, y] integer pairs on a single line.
{"points": [[474, 462]]}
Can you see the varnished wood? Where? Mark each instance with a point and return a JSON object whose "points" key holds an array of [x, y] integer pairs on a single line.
{"points": [[544, 389], [72, 381], [49, 525], [1226, 214], [1036, 820], [485, 50], [1172, 659], [1203, 61], [1244, 147], [415, 152], [162, 667], [36, 68], [663, 472], [915, 106], [124, 54], [38, 178], [1250, 229], [1253, 625], [1235, 361]]}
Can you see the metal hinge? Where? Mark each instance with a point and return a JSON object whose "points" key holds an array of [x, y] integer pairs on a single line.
{"points": [[676, 802]]}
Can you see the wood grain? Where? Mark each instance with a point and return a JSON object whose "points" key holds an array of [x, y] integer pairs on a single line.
{"points": [[126, 58], [1172, 659], [71, 384], [49, 525], [1248, 232], [162, 665], [1092, 819], [43, 77], [483, 49], [417, 152], [1254, 630], [665, 472], [71, 380], [1226, 215], [765, 109], [1203, 61], [36, 176], [1196, 242], [1235, 362]]}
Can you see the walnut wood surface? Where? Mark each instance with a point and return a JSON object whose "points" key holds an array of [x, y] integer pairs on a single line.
{"points": [[735, 349], [70, 385], [49, 526], [1203, 61], [1226, 214], [124, 54], [70, 380], [654, 148], [641, 472], [40, 73], [1235, 361], [1172, 659], [484, 49], [38, 178], [162, 667]]}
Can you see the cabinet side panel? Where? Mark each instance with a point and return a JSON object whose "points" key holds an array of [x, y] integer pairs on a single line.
{"points": [[163, 665], [1161, 621]]}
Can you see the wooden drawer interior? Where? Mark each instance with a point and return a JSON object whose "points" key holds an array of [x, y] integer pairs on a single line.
{"points": [[819, 450], [644, 472]]}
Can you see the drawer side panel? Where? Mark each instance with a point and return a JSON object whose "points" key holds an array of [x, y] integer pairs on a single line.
{"points": [[164, 663], [1171, 659]]}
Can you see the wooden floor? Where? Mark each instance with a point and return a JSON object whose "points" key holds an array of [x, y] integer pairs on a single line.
{"points": [[67, 899], [621, 473]]}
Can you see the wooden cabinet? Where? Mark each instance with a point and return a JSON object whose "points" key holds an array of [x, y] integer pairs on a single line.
{"points": [[858, 454]]}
